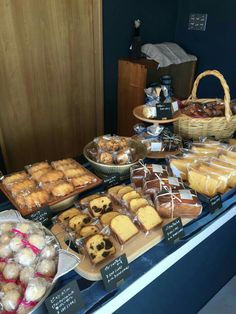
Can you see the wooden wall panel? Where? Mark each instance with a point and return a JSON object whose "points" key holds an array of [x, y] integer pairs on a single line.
{"points": [[50, 77]]}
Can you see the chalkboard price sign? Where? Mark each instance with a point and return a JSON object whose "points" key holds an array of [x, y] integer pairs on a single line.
{"points": [[114, 273], [111, 180], [164, 111], [173, 230], [215, 203], [67, 300], [43, 215]]}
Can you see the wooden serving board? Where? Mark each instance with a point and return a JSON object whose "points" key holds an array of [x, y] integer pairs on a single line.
{"points": [[56, 204], [134, 248], [138, 113]]}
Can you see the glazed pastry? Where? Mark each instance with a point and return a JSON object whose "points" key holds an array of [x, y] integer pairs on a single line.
{"points": [[62, 189], [51, 176], [113, 145], [37, 198], [122, 158], [99, 247], [107, 217], [106, 158], [82, 181], [102, 143], [123, 227], [23, 186], [78, 221], [74, 172], [136, 203], [68, 214], [14, 178], [100, 205], [38, 166], [88, 231], [148, 217], [37, 174]]}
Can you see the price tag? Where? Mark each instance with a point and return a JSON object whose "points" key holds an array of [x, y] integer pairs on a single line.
{"points": [[156, 147], [43, 215], [66, 300], [164, 111], [112, 180], [185, 194], [173, 181], [173, 231], [175, 171], [175, 106], [215, 203], [157, 168], [114, 273]]}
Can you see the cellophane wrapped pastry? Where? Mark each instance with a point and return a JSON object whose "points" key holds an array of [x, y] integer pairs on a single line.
{"points": [[28, 264]]}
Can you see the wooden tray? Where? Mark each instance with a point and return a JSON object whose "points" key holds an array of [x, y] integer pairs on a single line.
{"points": [[58, 204], [138, 113], [134, 248]]}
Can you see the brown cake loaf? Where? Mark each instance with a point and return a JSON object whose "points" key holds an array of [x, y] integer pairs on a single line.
{"points": [[148, 217], [99, 247], [124, 190], [182, 207], [130, 195], [88, 231], [136, 203], [106, 218], [68, 214], [100, 205], [123, 227], [78, 221]]}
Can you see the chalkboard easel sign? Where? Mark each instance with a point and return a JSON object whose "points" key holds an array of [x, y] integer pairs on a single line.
{"points": [[67, 300], [114, 273], [164, 111], [173, 231], [43, 215], [215, 203], [111, 180]]}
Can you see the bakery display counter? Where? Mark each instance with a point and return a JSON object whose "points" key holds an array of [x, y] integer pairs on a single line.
{"points": [[195, 262]]}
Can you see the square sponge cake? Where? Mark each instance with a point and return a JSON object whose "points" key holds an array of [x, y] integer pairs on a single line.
{"points": [[123, 227], [148, 217]]}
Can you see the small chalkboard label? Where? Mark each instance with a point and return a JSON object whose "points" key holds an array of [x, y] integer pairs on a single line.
{"points": [[114, 273], [164, 111], [43, 215], [112, 180], [66, 300], [215, 203], [173, 230]]}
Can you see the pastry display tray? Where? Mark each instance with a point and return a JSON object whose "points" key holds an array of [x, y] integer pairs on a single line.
{"points": [[58, 204], [134, 248], [138, 113]]}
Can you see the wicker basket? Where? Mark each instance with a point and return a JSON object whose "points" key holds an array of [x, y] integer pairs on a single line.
{"points": [[217, 127]]}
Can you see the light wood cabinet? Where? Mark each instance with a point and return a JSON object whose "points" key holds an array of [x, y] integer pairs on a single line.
{"points": [[51, 95], [135, 75]]}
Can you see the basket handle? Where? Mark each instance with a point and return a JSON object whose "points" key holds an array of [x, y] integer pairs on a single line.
{"points": [[217, 74]]}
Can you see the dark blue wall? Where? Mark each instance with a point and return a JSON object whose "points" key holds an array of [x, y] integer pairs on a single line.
{"points": [[216, 47], [158, 24]]}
